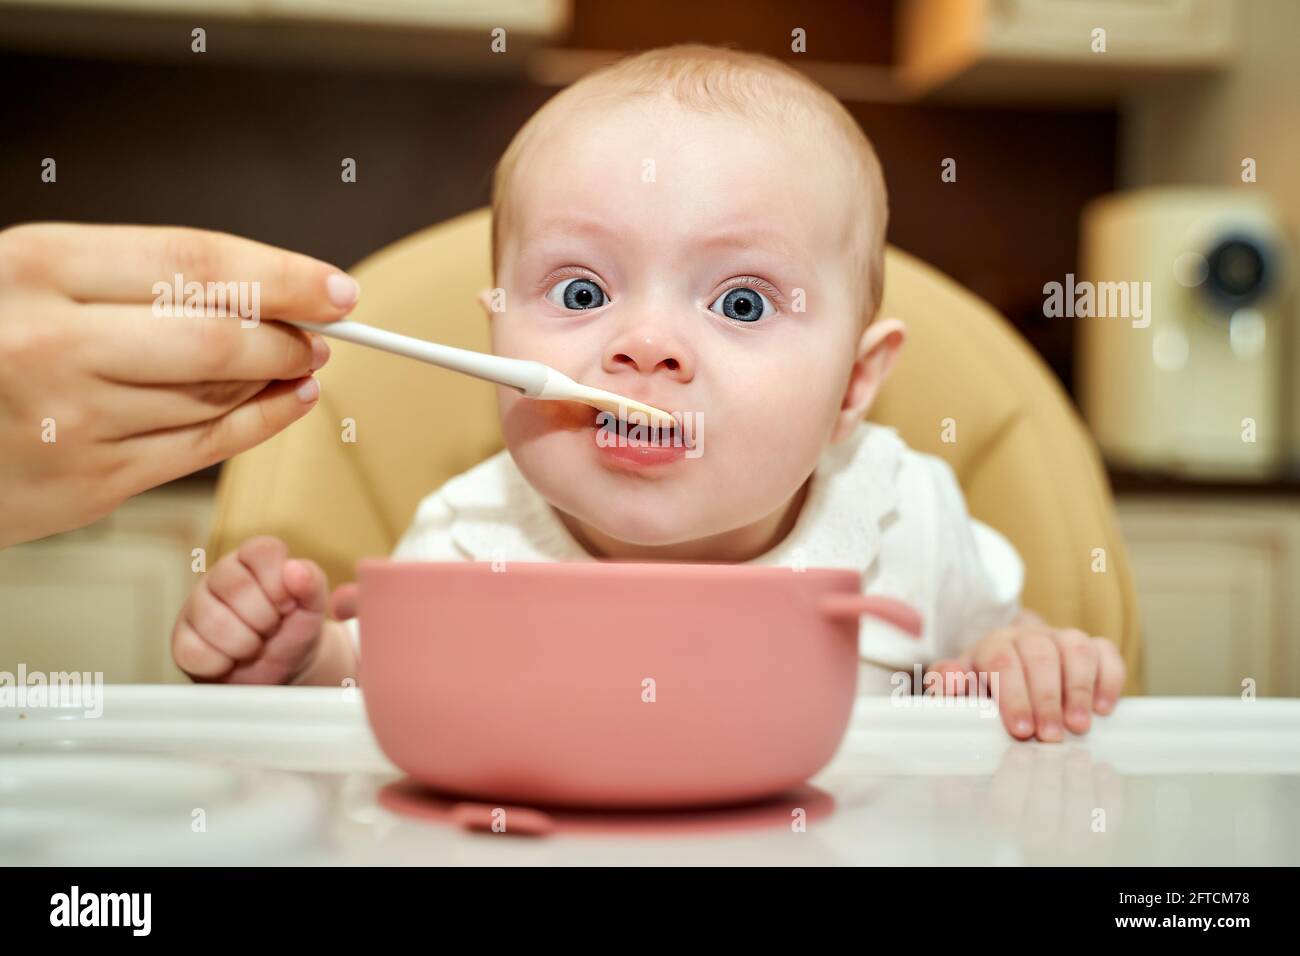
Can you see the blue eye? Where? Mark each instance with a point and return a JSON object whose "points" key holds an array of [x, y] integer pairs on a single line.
{"points": [[576, 294], [743, 305]]}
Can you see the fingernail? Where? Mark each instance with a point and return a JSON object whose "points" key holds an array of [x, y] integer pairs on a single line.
{"points": [[342, 290], [320, 352], [1078, 717], [309, 390], [1023, 728], [1051, 730], [1104, 704]]}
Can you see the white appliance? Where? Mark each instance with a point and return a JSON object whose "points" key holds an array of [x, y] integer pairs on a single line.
{"points": [[1190, 376]]}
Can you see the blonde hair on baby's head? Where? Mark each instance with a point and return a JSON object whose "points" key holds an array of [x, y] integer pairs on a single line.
{"points": [[712, 79]]}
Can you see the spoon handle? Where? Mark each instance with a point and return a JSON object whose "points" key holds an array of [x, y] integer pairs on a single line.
{"points": [[527, 376], [533, 379]]}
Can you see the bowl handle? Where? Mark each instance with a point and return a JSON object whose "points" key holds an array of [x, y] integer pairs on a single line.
{"points": [[895, 612]]}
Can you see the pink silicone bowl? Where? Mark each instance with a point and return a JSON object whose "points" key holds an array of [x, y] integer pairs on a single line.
{"points": [[608, 684]]}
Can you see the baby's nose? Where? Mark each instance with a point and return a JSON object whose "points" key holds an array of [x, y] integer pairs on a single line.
{"points": [[650, 351]]}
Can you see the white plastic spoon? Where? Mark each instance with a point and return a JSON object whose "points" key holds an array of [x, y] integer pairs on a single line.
{"points": [[533, 379]]}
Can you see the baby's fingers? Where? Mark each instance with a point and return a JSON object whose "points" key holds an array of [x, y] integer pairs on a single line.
{"points": [[344, 603], [234, 583], [1042, 663], [1010, 687], [292, 647], [305, 582], [195, 656], [217, 623], [948, 678], [1079, 665], [265, 558], [1110, 675]]}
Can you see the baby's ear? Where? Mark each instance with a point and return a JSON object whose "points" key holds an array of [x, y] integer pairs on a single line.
{"points": [[880, 345], [493, 301], [878, 349]]}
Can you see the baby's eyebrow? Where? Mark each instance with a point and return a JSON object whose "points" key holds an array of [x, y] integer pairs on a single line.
{"points": [[752, 237], [570, 224]]}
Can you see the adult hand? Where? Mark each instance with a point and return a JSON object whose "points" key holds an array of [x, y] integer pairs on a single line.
{"points": [[102, 396]]}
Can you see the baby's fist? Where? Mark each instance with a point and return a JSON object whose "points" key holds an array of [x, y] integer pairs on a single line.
{"points": [[255, 618]]}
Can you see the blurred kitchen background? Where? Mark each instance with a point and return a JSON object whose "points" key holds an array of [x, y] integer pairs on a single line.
{"points": [[1189, 115]]}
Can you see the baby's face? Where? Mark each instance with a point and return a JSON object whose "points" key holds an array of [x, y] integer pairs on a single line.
{"points": [[698, 263]]}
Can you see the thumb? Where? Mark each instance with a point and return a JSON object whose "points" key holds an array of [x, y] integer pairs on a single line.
{"points": [[344, 604], [289, 650], [306, 584]]}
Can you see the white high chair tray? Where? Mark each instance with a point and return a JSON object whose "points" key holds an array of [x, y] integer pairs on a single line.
{"points": [[269, 775]]}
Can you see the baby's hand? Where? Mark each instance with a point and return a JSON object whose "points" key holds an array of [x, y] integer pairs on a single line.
{"points": [[255, 618], [1041, 671]]}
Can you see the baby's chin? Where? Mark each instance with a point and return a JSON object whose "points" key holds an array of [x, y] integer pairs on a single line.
{"points": [[683, 500], [666, 513], [657, 507], [641, 524]]}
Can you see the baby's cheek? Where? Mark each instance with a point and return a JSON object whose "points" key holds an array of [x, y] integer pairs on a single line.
{"points": [[782, 415], [521, 418], [555, 426], [764, 461]]}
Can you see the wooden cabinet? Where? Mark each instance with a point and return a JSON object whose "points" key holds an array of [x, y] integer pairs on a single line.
{"points": [[1218, 582], [410, 35], [104, 598]]}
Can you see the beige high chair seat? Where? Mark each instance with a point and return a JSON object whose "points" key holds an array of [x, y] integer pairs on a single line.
{"points": [[1022, 455]]}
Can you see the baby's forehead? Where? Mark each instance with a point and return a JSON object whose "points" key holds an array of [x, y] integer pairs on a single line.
{"points": [[649, 161], [658, 130]]}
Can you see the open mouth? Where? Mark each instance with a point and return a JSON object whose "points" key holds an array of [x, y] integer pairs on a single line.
{"points": [[637, 433]]}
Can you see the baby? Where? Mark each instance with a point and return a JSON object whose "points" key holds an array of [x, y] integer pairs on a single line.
{"points": [[701, 230]]}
